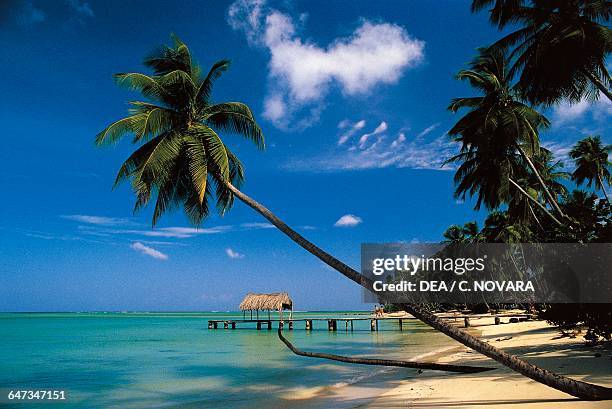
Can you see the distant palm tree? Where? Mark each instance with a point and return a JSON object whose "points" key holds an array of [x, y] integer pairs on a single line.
{"points": [[499, 228], [454, 234], [560, 47], [468, 233], [591, 159], [471, 232], [497, 134], [181, 153]]}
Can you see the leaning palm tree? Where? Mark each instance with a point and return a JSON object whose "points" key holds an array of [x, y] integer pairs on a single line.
{"points": [[560, 46], [498, 132], [182, 154], [591, 159], [520, 208]]}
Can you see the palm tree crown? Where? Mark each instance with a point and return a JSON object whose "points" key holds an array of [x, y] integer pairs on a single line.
{"points": [[560, 48], [177, 126], [496, 131], [591, 159]]}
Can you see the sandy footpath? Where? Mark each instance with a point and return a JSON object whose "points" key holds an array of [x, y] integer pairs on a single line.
{"points": [[535, 341]]}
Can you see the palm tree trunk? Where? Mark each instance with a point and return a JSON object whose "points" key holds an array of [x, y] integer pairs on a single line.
{"points": [[572, 387], [544, 209], [535, 217], [550, 197], [600, 85], [603, 188]]}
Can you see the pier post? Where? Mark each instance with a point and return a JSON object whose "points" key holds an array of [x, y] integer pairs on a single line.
{"points": [[351, 325], [346, 325], [290, 325], [258, 325], [233, 325], [466, 321], [269, 325], [332, 325], [215, 324], [308, 325], [401, 324]]}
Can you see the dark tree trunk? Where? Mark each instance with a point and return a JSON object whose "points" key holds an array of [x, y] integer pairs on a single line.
{"points": [[551, 199], [572, 387], [385, 362], [600, 85], [603, 188], [524, 193]]}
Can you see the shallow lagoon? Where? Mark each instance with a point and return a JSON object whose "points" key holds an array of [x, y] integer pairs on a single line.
{"points": [[173, 359]]}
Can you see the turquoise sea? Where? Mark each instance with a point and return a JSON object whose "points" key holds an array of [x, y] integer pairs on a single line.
{"points": [[173, 360]]}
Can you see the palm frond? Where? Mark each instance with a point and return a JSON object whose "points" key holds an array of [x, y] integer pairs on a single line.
{"points": [[237, 118], [204, 92]]}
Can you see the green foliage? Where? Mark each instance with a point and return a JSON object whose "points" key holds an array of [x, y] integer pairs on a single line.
{"points": [[181, 161], [559, 47], [497, 129], [591, 158]]}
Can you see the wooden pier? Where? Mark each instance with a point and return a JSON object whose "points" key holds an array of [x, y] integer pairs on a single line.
{"points": [[332, 323], [308, 323]]}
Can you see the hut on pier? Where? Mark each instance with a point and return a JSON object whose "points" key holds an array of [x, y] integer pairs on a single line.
{"points": [[270, 302]]}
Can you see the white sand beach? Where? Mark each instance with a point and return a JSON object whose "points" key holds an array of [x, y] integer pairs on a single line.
{"points": [[535, 341]]}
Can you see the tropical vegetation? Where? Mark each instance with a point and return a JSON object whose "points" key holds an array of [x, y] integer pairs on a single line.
{"points": [[559, 48]]}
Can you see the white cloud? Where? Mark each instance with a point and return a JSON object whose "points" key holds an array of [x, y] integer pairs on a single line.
{"points": [[246, 16], [275, 108], [97, 220], [257, 225], [149, 251], [382, 152], [348, 220], [233, 254], [302, 72], [101, 226], [598, 111], [353, 128], [382, 127], [427, 130], [401, 138]]}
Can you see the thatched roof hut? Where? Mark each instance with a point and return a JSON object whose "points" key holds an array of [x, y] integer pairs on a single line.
{"points": [[272, 301]]}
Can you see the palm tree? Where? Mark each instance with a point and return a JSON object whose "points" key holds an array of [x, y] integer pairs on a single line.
{"points": [[591, 159], [497, 133], [520, 207], [468, 233], [454, 234], [499, 228], [560, 47], [181, 153]]}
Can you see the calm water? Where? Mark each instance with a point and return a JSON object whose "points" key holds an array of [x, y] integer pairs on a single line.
{"points": [[173, 359]]}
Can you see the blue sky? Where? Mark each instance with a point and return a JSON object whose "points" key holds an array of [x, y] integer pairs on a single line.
{"points": [[352, 98]]}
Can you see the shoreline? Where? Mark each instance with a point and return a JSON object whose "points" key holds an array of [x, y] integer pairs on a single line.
{"points": [[535, 341]]}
